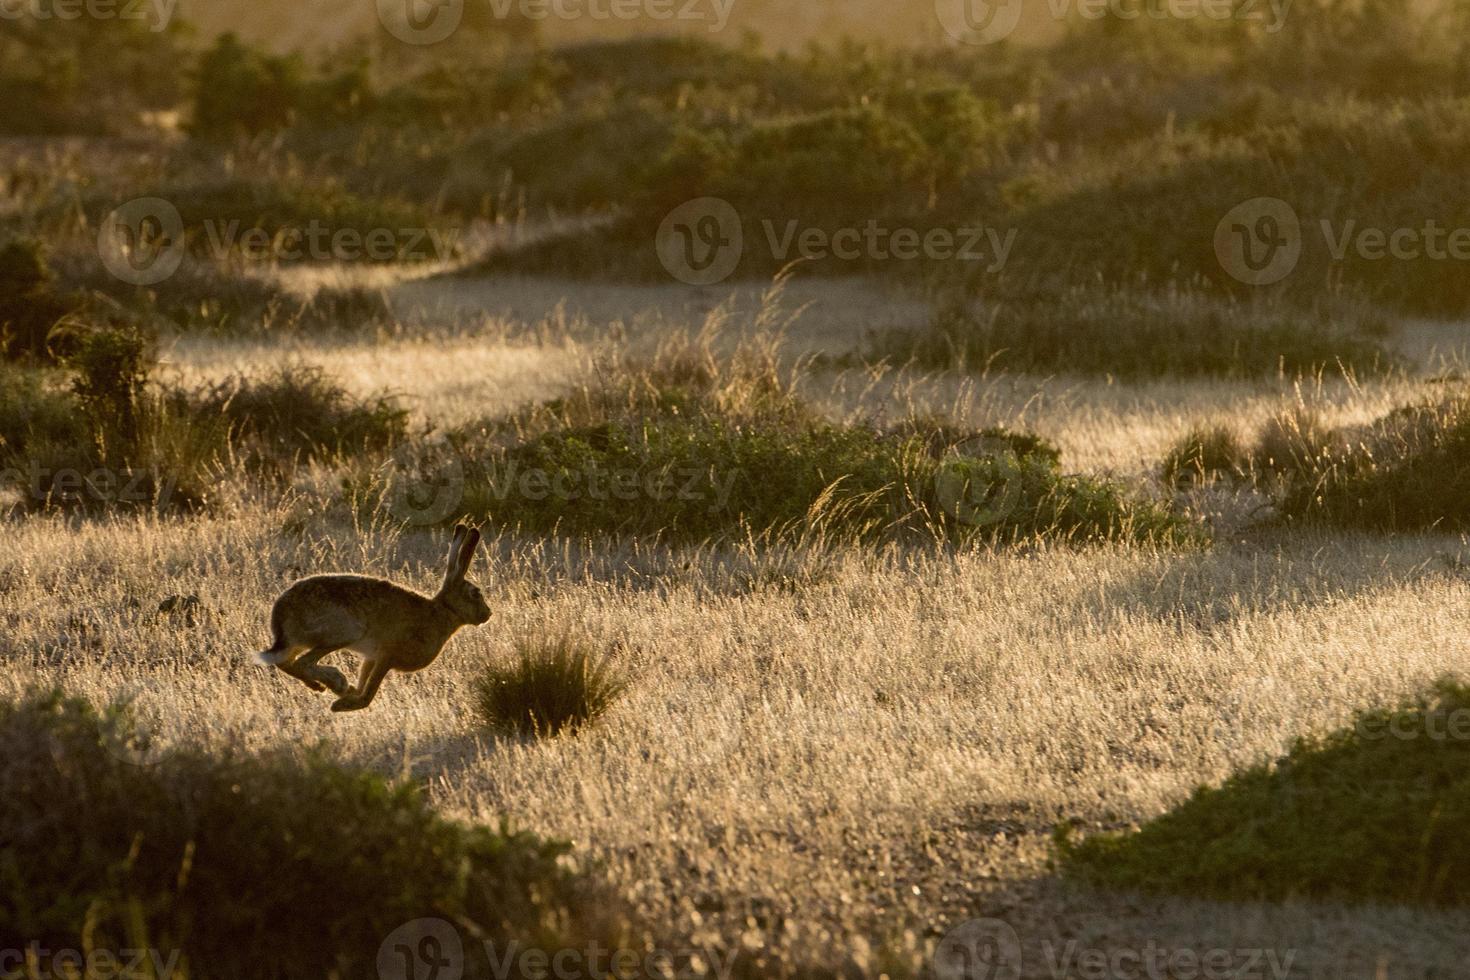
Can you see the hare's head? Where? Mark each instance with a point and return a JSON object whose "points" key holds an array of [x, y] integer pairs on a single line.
{"points": [[463, 599]]}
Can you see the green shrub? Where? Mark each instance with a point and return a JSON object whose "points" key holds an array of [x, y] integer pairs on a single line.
{"points": [[271, 865], [1205, 454], [297, 221], [85, 75], [1134, 333], [239, 90], [1405, 472], [109, 439], [555, 685], [111, 374], [298, 412], [688, 450], [1296, 446], [1149, 212], [36, 408], [31, 310], [1379, 812]]}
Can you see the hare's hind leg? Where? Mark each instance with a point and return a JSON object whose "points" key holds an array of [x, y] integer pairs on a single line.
{"points": [[329, 678], [369, 679], [303, 667]]}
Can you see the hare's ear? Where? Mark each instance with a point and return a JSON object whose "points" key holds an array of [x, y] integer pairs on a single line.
{"points": [[456, 546], [467, 552]]}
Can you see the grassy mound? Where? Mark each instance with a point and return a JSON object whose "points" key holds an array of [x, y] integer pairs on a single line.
{"points": [[292, 220], [104, 435], [1409, 471], [275, 865], [1152, 210], [1134, 333], [1205, 454], [1376, 812], [690, 448], [299, 412]]}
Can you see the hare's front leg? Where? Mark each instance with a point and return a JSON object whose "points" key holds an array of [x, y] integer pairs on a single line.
{"points": [[369, 679]]}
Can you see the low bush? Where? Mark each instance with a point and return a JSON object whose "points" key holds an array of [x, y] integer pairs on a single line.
{"points": [[31, 307], [298, 413], [1135, 333], [271, 865], [555, 685], [1205, 454], [1405, 472], [1346, 167], [689, 450], [1378, 812], [112, 437]]}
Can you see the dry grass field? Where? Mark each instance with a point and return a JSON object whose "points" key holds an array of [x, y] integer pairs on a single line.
{"points": [[828, 753], [860, 609]]}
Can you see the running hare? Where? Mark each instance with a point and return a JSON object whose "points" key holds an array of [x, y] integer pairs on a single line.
{"points": [[390, 627]]}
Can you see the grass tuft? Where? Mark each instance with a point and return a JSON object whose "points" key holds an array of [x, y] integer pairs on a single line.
{"points": [[556, 684], [1205, 454]]}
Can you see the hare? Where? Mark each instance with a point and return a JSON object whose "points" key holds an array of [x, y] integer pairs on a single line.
{"points": [[390, 627]]}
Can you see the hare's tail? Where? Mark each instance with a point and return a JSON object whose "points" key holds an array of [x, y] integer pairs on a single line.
{"points": [[275, 655]]}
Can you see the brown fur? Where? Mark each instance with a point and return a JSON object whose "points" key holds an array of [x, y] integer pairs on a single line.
{"points": [[390, 627]]}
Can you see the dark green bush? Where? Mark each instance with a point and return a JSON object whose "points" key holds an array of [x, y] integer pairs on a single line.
{"points": [[294, 221], [35, 407], [1134, 333], [31, 309], [272, 865], [555, 685], [240, 90], [1379, 812], [1150, 211], [1204, 454], [722, 457], [85, 75], [297, 413], [1409, 471]]}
